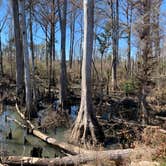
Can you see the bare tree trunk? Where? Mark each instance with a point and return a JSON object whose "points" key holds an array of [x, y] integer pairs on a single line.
{"points": [[50, 64], [117, 34], [156, 27], [146, 56], [1, 54], [81, 51], [10, 53], [115, 41], [114, 69], [63, 74], [1, 58], [155, 33], [53, 39], [121, 158], [80, 58], [86, 128], [46, 46], [28, 90], [101, 79], [19, 52], [52, 47], [33, 58], [72, 31], [146, 50], [129, 21]]}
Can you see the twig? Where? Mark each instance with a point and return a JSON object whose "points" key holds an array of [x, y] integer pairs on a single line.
{"points": [[16, 121], [160, 117]]}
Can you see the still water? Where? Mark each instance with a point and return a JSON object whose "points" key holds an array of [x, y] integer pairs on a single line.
{"points": [[16, 146]]}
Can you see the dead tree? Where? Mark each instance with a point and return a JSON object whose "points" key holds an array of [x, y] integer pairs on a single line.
{"points": [[121, 157]]}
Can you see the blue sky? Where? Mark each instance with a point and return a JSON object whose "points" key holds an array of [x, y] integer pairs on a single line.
{"points": [[39, 36], [3, 12]]}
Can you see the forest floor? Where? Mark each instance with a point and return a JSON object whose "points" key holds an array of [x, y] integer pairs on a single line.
{"points": [[116, 113]]}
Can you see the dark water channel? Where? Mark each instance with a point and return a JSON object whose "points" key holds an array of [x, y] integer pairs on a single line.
{"points": [[16, 146]]}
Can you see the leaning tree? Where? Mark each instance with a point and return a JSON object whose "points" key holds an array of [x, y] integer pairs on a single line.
{"points": [[86, 129]]}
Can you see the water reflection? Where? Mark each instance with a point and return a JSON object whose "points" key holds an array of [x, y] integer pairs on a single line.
{"points": [[74, 111], [17, 145]]}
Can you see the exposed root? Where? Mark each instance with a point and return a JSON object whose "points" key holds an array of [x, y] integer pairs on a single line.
{"points": [[86, 130]]}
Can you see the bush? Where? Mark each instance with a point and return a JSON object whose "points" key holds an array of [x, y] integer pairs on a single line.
{"points": [[129, 87]]}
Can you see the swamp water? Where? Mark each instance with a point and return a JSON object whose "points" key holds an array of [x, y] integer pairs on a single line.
{"points": [[16, 146]]}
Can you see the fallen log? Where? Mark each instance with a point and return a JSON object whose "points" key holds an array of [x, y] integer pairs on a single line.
{"points": [[3, 164], [160, 117], [64, 146], [116, 155], [75, 150]]}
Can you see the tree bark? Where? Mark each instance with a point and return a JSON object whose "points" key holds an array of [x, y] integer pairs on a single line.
{"points": [[115, 41], [80, 49], [1, 54], [19, 51], [46, 47], [118, 156], [28, 96], [1, 58], [63, 73], [72, 31], [50, 60], [129, 21], [86, 128], [156, 27], [53, 39], [33, 57], [145, 67]]}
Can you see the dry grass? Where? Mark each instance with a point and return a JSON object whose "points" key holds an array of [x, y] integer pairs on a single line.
{"points": [[153, 138], [153, 147]]}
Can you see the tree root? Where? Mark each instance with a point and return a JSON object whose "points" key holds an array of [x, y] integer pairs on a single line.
{"points": [[86, 130]]}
